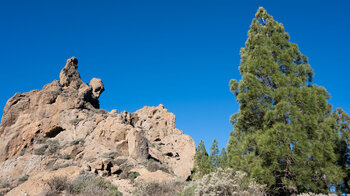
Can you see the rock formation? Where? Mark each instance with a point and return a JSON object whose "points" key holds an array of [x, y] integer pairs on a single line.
{"points": [[60, 130]]}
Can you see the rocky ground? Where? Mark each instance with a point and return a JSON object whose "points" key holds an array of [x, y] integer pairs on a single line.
{"points": [[60, 131]]}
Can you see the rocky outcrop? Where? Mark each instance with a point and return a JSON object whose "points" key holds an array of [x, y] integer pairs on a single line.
{"points": [[61, 125]]}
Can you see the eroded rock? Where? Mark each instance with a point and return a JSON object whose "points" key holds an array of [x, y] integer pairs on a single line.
{"points": [[61, 125]]}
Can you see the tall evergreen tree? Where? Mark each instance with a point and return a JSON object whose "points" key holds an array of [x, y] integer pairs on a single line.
{"points": [[202, 163], [223, 159], [343, 147], [214, 153], [284, 133]]}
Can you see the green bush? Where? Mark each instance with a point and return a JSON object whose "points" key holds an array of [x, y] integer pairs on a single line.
{"points": [[23, 178], [133, 175]]}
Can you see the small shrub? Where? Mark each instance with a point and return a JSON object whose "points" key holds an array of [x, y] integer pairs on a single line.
{"points": [[120, 160], [49, 148], [5, 184], [75, 121], [125, 167], [87, 185], [315, 194], [153, 166], [78, 141], [53, 146], [170, 188], [99, 111], [23, 178], [110, 155], [66, 156], [57, 184], [41, 150], [226, 182], [188, 190], [56, 167], [23, 151], [133, 175]]}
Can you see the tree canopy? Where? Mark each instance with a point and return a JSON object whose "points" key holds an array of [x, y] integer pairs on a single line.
{"points": [[285, 135]]}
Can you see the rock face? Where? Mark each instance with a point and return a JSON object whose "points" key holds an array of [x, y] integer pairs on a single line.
{"points": [[62, 125]]}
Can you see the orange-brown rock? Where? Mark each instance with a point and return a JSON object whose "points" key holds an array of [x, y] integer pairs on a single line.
{"points": [[62, 125]]}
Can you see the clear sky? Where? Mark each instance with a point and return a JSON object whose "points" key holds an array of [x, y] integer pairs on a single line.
{"points": [[178, 53]]}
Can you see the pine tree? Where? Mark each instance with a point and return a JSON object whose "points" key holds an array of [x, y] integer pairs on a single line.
{"points": [[214, 154], [284, 133], [223, 159], [343, 150], [202, 164]]}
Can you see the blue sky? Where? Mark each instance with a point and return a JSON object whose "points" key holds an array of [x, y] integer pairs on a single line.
{"points": [[178, 53]]}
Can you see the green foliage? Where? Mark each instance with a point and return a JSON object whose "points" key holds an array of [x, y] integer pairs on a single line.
{"points": [[202, 163], [23, 178], [284, 132], [343, 150], [133, 175], [223, 159], [214, 154]]}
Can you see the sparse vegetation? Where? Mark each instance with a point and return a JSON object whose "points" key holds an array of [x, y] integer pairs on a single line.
{"points": [[125, 167], [87, 185], [120, 160], [5, 184], [153, 166], [23, 151], [80, 141], [133, 175], [23, 178], [110, 155], [49, 148], [75, 121], [59, 166], [225, 182], [171, 188], [66, 156], [57, 184], [41, 150]]}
